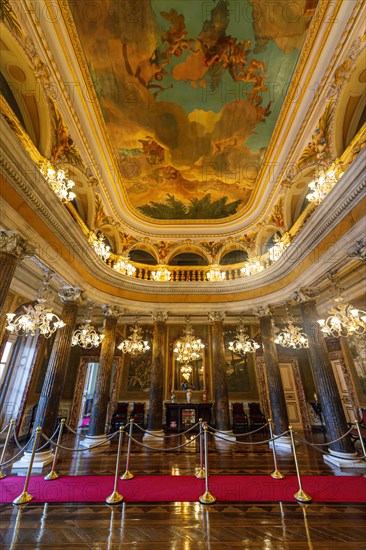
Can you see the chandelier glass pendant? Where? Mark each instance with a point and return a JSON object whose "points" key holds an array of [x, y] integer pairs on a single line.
{"points": [[292, 337], [215, 274], [86, 336], [344, 320], [242, 343], [124, 266], [188, 347], [162, 273], [134, 344], [36, 318], [60, 184], [324, 181], [101, 249], [252, 266]]}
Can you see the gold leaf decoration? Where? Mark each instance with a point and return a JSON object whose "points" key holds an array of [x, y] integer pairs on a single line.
{"points": [[319, 145]]}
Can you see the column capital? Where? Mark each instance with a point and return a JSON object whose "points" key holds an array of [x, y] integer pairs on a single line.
{"points": [[358, 251], [306, 295], [112, 311], [262, 311], [70, 294], [161, 316], [13, 244], [216, 317]]}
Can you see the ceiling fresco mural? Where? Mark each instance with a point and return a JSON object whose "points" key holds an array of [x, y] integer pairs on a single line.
{"points": [[190, 92]]}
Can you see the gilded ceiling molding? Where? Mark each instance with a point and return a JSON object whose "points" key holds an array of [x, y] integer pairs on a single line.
{"points": [[159, 316], [13, 244], [216, 316], [9, 17]]}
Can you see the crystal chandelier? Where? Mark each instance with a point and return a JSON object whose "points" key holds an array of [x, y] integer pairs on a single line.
{"points": [[186, 371], [36, 318], [188, 347], [124, 266], [60, 184], [134, 344], [215, 274], [292, 337], [278, 248], [86, 336], [162, 273], [101, 249], [344, 320], [242, 343], [252, 266], [324, 181]]}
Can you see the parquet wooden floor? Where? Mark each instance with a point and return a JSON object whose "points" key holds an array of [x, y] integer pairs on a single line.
{"points": [[187, 526]]}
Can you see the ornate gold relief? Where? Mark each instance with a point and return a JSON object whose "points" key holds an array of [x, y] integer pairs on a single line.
{"points": [[8, 16], [63, 147], [319, 146]]}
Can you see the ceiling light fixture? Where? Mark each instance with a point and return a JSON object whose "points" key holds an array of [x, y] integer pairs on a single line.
{"points": [[188, 347], [292, 337], [323, 182], [60, 184], [215, 274], [101, 249], [252, 267], [134, 344], [124, 266], [344, 320], [86, 336], [162, 273], [186, 371], [242, 343], [36, 318]]}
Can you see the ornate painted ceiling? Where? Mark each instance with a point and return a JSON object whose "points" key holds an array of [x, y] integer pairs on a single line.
{"points": [[190, 92]]}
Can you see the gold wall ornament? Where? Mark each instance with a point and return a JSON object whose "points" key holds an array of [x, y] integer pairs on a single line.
{"points": [[188, 347], [242, 343], [134, 344]]}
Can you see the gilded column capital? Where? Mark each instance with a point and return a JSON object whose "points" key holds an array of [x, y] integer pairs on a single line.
{"points": [[161, 316], [306, 295], [13, 244], [112, 311], [70, 294], [216, 316], [359, 250], [262, 311]]}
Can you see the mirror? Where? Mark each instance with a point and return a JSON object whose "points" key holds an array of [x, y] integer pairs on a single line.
{"points": [[190, 376]]}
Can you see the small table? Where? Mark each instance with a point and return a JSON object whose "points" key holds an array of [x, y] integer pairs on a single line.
{"points": [[180, 416]]}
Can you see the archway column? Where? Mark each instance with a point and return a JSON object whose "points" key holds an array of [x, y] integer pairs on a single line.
{"points": [[155, 415], [220, 390], [334, 418], [273, 375]]}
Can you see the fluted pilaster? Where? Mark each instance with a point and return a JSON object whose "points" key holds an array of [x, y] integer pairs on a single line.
{"points": [[155, 418], [219, 372]]}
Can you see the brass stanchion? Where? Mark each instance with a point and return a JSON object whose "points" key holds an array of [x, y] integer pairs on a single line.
{"points": [[357, 424], [53, 474], [206, 498], [26, 497], [11, 426], [301, 496], [200, 474], [276, 474], [127, 475], [115, 497]]}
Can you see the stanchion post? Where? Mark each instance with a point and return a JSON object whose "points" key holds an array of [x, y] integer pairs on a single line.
{"points": [[206, 498], [201, 471], [53, 474], [25, 496], [276, 474], [115, 497], [10, 429], [357, 424], [301, 496], [128, 475]]}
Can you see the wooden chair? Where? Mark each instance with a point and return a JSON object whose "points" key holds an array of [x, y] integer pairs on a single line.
{"points": [[256, 417], [119, 416], [240, 419]]}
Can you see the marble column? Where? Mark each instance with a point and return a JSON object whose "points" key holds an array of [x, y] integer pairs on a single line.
{"points": [[98, 415], [13, 248], [54, 381], [155, 416], [334, 417], [221, 395]]}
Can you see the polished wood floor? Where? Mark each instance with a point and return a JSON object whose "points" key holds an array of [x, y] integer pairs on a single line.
{"points": [[187, 526]]}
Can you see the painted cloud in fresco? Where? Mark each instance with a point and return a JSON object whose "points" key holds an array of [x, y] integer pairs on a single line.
{"points": [[190, 91]]}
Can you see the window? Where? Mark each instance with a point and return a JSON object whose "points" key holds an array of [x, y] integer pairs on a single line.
{"points": [[4, 360]]}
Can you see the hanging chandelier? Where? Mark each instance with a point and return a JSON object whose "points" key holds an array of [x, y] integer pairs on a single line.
{"points": [[344, 320], [86, 336], [36, 318], [278, 248], [215, 274], [186, 371], [188, 347], [124, 266], [252, 266], [242, 343], [60, 184], [134, 344], [162, 273], [101, 249], [292, 337], [324, 181]]}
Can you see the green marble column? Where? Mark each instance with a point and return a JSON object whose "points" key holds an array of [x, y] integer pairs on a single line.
{"points": [[99, 410], [334, 417], [273, 374], [155, 417], [219, 372]]}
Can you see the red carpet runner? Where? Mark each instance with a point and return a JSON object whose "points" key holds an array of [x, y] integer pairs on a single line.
{"points": [[187, 488]]}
